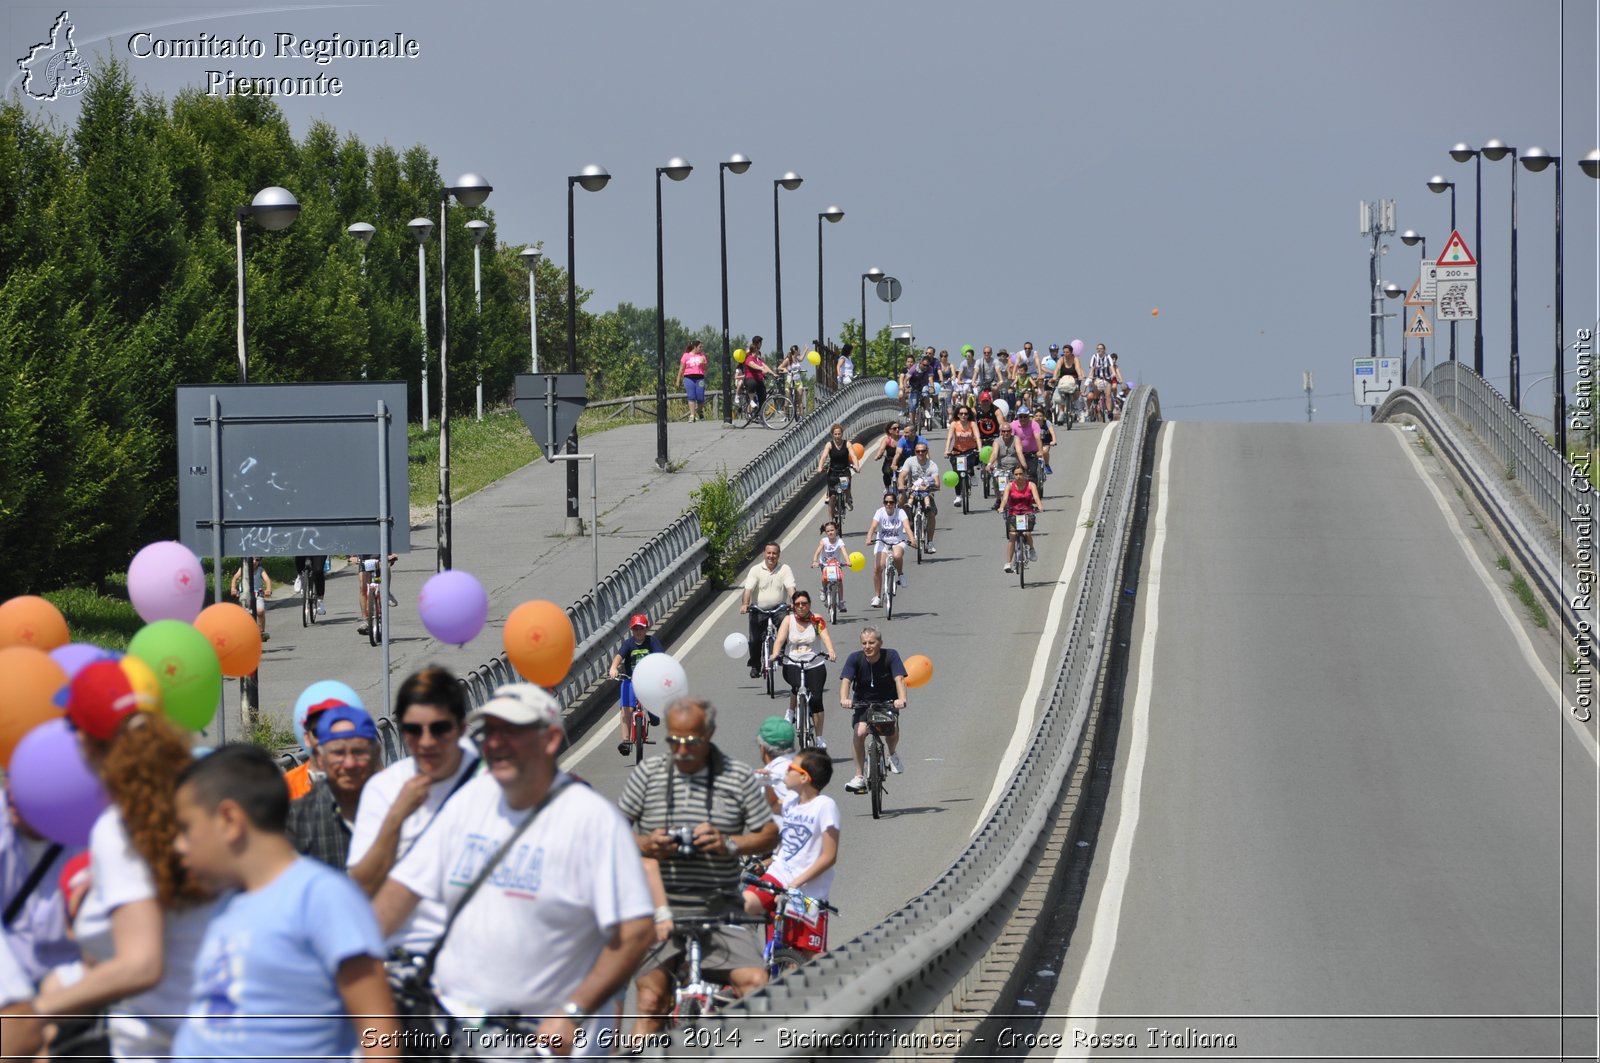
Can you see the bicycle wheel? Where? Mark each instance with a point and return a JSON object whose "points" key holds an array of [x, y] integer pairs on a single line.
{"points": [[640, 732], [1021, 552], [890, 581], [785, 960], [966, 493], [766, 657], [830, 592], [374, 613], [875, 775], [308, 599], [920, 524], [771, 409]]}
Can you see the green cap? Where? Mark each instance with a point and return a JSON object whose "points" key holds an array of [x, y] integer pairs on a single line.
{"points": [[966, 348], [777, 733]]}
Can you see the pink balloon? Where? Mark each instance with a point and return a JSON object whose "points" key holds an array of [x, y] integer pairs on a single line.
{"points": [[1077, 346], [165, 582], [54, 790], [453, 607]]}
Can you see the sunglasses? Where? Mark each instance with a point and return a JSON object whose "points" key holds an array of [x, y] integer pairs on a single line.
{"points": [[804, 775], [438, 728], [685, 741]]}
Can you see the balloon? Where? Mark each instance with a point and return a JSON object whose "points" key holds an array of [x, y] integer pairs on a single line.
{"points": [[28, 620], [858, 451], [165, 582], [29, 680], [950, 478], [813, 357], [316, 694], [919, 670], [74, 655], [891, 389], [736, 645], [234, 636], [985, 453], [658, 681], [1077, 346], [187, 668], [738, 355], [453, 607], [540, 642], [142, 681], [1049, 365], [858, 561], [1154, 313], [54, 790], [1004, 407]]}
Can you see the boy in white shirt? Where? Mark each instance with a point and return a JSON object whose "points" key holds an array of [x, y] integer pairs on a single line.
{"points": [[809, 845]]}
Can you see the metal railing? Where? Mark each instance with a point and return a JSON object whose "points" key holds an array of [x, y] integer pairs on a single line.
{"points": [[930, 950]]}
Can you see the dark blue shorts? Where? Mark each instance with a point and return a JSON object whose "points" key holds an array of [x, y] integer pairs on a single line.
{"points": [[695, 388]]}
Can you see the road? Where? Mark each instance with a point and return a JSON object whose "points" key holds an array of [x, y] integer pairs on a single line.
{"points": [[1344, 787]]}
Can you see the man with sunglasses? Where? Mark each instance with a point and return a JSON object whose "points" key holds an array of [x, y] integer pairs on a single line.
{"points": [[696, 810], [919, 479]]}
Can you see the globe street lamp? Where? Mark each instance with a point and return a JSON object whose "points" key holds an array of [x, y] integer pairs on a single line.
{"points": [[477, 228], [677, 169], [592, 179], [470, 190], [1394, 291], [1537, 160], [738, 164], [791, 181], [421, 228], [362, 232], [1494, 151], [874, 275], [832, 214], [1461, 153], [1411, 238], [1438, 184], [530, 258]]}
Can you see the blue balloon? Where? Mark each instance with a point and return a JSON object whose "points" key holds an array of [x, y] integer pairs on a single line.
{"points": [[319, 692], [892, 389], [1049, 365]]}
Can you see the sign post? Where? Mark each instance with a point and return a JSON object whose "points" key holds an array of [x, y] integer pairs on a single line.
{"points": [[1456, 277], [1374, 378]]}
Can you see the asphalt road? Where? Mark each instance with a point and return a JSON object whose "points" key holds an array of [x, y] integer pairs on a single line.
{"points": [[1347, 806]]}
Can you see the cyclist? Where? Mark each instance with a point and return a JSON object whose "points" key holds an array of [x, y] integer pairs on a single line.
{"points": [[366, 578], [768, 586], [962, 442], [796, 645], [889, 450], [919, 477], [791, 374], [889, 532], [945, 376], [1068, 379], [319, 578], [871, 676], [260, 591], [775, 745], [1006, 456], [965, 378], [1100, 371], [756, 372], [987, 374], [636, 647], [838, 461], [1047, 438], [1027, 435], [918, 376], [1021, 496], [832, 550], [808, 844], [987, 419]]}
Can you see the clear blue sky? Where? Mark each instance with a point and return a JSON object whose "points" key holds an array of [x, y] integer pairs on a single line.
{"points": [[1029, 170]]}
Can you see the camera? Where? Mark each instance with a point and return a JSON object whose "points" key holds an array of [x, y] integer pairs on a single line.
{"points": [[684, 836]]}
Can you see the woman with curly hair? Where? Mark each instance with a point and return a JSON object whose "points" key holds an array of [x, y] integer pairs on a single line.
{"points": [[143, 917]]}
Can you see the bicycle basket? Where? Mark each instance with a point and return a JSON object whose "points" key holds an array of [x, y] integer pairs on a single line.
{"points": [[882, 723]]}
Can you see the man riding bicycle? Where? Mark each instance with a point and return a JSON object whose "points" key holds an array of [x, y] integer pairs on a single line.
{"points": [[767, 587], [636, 647], [871, 676], [366, 578], [919, 478]]}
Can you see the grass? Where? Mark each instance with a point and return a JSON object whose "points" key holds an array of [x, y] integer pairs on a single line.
{"points": [[1503, 563], [270, 735], [1524, 593]]}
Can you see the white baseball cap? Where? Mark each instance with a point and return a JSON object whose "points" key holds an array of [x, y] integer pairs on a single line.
{"points": [[522, 703]]}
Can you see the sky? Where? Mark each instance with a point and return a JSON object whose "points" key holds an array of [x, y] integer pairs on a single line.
{"points": [[1028, 169]]}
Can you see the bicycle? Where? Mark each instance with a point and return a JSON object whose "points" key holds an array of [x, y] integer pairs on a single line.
{"points": [[928, 410], [1023, 523], [832, 579], [767, 640], [638, 718], [792, 939], [919, 517], [838, 493], [754, 412], [374, 570], [958, 462], [882, 720], [890, 578], [692, 996], [1066, 394], [308, 594], [804, 706]]}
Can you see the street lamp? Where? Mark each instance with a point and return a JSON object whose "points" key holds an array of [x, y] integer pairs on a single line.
{"points": [[421, 228], [1411, 238], [1394, 291], [677, 169], [1461, 153], [832, 214], [530, 258], [362, 231], [1438, 184], [791, 181], [738, 164], [1494, 151], [874, 275], [1537, 160], [477, 228], [470, 190], [592, 178]]}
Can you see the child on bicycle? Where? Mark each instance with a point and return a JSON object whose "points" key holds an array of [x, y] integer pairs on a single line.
{"points": [[831, 550], [256, 600], [636, 647], [809, 845]]}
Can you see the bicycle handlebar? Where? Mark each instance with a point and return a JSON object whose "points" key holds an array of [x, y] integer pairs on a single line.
{"points": [[765, 887]]}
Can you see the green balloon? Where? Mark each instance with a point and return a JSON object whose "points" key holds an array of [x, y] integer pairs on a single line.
{"points": [[985, 454], [186, 668], [950, 478]]}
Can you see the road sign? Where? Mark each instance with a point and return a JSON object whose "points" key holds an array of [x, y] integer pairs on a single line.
{"points": [[549, 404], [1456, 298], [1427, 284], [1455, 252], [888, 289], [1415, 296], [1374, 378], [1420, 328]]}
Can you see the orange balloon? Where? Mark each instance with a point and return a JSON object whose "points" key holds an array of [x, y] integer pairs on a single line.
{"points": [[858, 450], [540, 642], [919, 670], [29, 680], [235, 637], [29, 620], [1153, 313]]}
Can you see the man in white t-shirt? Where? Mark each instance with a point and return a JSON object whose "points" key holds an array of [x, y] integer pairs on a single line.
{"points": [[560, 924], [921, 469]]}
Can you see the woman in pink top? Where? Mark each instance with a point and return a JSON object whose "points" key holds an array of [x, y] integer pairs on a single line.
{"points": [[692, 378]]}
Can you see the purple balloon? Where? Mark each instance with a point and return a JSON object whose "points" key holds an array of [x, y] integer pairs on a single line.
{"points": [[54, 790], [1077, 346], [165, 582], [74, 655], [453, 607]]}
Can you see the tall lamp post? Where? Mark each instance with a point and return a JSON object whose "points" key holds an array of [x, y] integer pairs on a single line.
{"points": [[677, 169], [1394, 291], [832, 214], [592, 179], [791, 181], [1537, 160], [874, 275], [421, 228], [477, 228], [1437, 183], [738, 164], [362, 232], [470, 190], [1461, 153], [530, 258], [1411, 238], [1494, 151]]}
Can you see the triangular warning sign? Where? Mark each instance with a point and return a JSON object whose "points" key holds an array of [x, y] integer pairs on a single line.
{"points": [[1414, 297], [1420, 327], [1456, 253]]}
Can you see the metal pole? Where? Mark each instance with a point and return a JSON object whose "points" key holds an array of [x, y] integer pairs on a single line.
{"points": [[216, 540], [1516, 357], [1422, 343], [442, 520], [727, 355], [865, 349], [422, 306], [384, 541], [1452, 229], [661, 340], [1477, 238], [238, 241], [1373, 295], [533, 320], [574, 522], [249, 690], [777, 273], [820, 333], [594, 513], [477, 293], [1561, 336]]}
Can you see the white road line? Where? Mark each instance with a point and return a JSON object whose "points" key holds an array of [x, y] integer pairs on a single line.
{"points": [[1085, 1007], [1498, 595], [1045, 656]]}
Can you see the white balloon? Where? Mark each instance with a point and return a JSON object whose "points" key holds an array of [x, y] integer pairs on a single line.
{"points": [[736, 645], [658, 681], [1003, 406]]}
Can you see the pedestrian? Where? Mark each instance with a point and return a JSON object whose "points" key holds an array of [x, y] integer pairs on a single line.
{"points": [[692, 378], [304, 775], [319, 823]]}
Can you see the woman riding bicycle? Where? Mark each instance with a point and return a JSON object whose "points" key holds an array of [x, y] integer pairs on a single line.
{"points": [[798, 635], [1021, 499], [755, 374], [889, 533], [889, 450], [838, 461], [962, 442]]}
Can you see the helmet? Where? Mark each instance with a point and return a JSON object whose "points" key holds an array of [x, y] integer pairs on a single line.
{"points": [[966, 348], [1055, 346], [984, 396]]}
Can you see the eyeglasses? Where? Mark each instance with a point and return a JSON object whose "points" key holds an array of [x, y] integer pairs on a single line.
{"points": [[922, 450], [438, 729], [685, 741], [356, 754]]}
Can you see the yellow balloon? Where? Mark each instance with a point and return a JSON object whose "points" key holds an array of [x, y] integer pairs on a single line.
{"points": [[858, 561], [738, 355], [814, 358]]}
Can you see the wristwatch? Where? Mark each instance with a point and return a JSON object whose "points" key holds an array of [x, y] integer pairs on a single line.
{"points": [[571, 1010], [731, 844]]}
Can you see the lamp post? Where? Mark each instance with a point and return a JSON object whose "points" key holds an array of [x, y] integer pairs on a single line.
{"points": [[1494, 151], [1411, 238], [1438, 184], [1461, 153], [832, 215], [477, 228], [593, 179], [420, 230], [1394, 291], [530, 258], [791, 181], [1537, 160], [362, 232], [738, 164], [677, 169], [874, 275]]}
